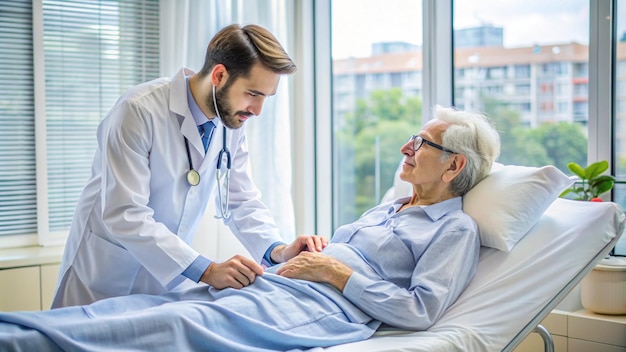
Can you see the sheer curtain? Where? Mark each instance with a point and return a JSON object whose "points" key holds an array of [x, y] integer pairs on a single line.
{"points": [[186, 29]]}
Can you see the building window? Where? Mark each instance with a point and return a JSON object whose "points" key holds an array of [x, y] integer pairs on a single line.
{"points": [[496, 72], [522, 89], [521, 71]]}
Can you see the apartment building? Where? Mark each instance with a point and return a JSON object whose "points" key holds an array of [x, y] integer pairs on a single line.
{"points": [[545, 83]]}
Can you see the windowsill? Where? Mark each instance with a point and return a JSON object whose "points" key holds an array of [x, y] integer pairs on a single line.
{"points": [[583, 313], [27, 256], [605, 329]]}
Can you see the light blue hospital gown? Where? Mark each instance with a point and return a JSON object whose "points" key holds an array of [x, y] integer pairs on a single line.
{"points": [[409, 267]]}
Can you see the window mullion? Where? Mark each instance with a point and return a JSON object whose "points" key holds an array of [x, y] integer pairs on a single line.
{"points": [[437, 49], [600, 78]]}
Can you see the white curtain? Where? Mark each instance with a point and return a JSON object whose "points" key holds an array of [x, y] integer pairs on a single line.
{"points": [[187, 26]]}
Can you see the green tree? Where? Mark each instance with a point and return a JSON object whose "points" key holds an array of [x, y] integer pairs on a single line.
{"points": [[548, 144], [379, 126], [520, 147], [517, 145], [564, 142]]}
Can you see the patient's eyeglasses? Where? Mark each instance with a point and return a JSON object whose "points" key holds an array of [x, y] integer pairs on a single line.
{"points": [[419, 140]]}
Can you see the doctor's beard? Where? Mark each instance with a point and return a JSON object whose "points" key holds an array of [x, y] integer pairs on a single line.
{"points": [[229, 119]]}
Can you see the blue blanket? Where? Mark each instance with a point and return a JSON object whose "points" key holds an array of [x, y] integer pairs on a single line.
{"points": [[200, 319]]}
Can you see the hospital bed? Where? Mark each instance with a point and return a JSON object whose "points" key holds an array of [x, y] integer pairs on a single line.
{"points": [[515, 287]]}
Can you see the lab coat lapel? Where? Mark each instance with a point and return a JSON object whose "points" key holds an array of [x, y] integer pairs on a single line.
{"points": [[189, 129], [178, 105]]}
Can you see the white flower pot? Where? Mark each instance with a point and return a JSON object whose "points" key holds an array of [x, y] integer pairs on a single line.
{"points": [[603, 290]]}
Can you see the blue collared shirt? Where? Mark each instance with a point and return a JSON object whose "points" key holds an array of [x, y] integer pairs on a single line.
{"points": [[411, 265]]}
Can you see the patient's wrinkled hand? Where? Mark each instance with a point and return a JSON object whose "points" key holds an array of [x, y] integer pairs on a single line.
{"points": [[317, 267], [237, 272], [311, 243]]}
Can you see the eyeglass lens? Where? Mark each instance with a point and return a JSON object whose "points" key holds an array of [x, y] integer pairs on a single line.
{"points": [[417, 141]]}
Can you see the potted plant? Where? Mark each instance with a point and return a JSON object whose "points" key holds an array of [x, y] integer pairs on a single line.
{"points": [[603, 289], [592, 183]]}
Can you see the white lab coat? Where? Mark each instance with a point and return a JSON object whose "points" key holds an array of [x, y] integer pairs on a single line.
{"points": [[137, 214]]}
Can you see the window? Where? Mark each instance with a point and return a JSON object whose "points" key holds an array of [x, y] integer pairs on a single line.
{"points": [[522, 89], [92, 53], [536, 57], [581, 115], [580, 109], [553, 69], [377, 44], [496, 72], [18, 198], [396, 80], [581, 70], [522, 71], [581, 91]]}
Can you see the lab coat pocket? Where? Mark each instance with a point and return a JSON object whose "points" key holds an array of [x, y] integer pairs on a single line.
{"points": [[109, 269]]}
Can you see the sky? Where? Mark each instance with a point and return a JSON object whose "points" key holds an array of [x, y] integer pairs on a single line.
{"points": [[359, 23]]}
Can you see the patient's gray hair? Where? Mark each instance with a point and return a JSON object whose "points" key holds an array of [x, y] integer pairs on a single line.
{"points": [[474, 136]]}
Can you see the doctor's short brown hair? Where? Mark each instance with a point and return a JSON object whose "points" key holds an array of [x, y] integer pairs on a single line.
{"points": [[239, 48]]}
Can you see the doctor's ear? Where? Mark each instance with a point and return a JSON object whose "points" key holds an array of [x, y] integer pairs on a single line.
{"points": [[219, 75]]}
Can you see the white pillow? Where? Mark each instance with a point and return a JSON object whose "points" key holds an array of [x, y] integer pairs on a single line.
{"points": [[510, 200]]}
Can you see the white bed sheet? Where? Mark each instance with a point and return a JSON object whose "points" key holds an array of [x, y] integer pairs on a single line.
{"points": [[511, 290]]}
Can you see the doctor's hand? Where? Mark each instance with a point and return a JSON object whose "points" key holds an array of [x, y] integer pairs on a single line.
{"points": [[317, 267], [311, 243], [236, 272]]}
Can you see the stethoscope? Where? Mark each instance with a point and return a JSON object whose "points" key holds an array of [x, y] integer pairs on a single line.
{"points": [[223, 181]]}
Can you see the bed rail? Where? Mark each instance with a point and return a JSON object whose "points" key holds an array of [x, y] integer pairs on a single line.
{"points": [[548, 343]]}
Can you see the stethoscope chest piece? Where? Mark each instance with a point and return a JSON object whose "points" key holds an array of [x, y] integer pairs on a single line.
{"points": [[193, 177]]}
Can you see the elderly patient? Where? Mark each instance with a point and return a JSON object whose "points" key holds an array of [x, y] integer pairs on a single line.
{"points": [[402, 263]]}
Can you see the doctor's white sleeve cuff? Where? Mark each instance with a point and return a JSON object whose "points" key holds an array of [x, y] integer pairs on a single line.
{"points": [[195, 270]]}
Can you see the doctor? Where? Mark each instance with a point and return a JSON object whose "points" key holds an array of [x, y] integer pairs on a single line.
{"points": [[152, 179]]}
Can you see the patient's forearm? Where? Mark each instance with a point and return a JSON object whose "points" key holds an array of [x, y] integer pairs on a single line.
{"points": [[317, 267]]}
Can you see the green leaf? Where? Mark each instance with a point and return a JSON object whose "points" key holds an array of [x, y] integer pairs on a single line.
{"points": [[576, 169], [596, 169], [565, 192], [602, 187], [592, 183], [602, 178]]}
